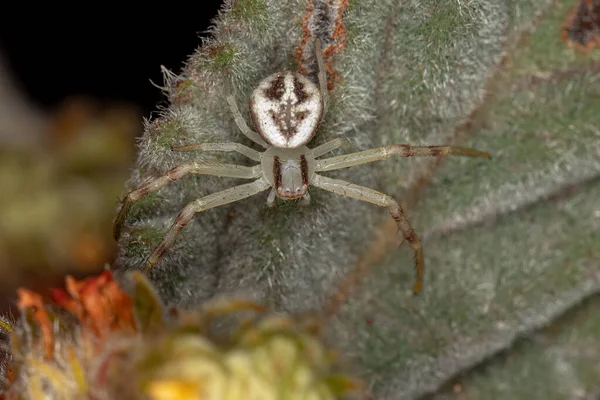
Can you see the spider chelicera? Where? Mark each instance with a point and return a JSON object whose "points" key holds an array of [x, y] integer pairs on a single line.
{"points": [[286, 109]]}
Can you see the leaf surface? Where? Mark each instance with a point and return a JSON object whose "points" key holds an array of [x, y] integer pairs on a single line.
{"points": [[510, 244]]}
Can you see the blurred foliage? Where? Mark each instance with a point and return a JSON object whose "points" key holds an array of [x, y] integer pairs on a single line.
{"points": [[59, 194], [92, 340]]}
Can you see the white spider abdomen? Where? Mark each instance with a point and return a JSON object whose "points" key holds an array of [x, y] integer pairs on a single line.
{"points": [[286, 108]]}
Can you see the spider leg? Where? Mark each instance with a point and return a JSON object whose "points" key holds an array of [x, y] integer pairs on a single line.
{"points": [[382, 200], [226, 147], [322, 75], [226, 196], [328, 146], [241, 123], [271, 198], [399, 150], [203, 168], [305, 200]]}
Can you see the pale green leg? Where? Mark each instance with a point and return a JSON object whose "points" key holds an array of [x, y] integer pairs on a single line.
{"points": [[241, 123], [348, 189], [327, 147], [322, 75], [224, 147], [396, 150], [202, 168], [226, 196]]}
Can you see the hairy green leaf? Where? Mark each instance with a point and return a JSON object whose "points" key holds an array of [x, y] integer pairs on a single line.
{"points": [[510, 243]]}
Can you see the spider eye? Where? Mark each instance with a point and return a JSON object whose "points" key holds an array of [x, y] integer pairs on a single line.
{"points": [[287, 193]]}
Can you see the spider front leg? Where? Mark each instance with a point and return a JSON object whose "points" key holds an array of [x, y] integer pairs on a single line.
{"points": [[398, 150], [242, 125], [203, 168], [224, 147], [330, 146], [305, 200], [322, 75], [382, 200], [226, 196]]}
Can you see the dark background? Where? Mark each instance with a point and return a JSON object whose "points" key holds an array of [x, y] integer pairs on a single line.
{"points": [[101, 52]]}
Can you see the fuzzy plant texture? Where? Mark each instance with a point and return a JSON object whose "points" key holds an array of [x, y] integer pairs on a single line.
{"points": [[512, 244]]}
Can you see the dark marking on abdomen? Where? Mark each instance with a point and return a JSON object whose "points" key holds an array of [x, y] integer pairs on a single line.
{"points": [[299, 91], [275, 90]]}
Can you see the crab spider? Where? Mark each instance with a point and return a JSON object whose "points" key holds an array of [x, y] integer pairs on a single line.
{"points": [[286, 109]]}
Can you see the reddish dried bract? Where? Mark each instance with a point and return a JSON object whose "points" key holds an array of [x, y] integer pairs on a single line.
{"points": [[98, 303], [327, 19], [77, 350], [9, 374], [31, 300], [581, 29]]}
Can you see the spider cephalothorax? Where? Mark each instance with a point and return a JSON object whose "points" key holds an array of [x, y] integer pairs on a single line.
{"points": [[286, 109]]}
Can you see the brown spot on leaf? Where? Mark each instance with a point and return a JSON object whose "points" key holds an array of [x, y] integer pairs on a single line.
{"points": [[581, 29], [324, 20], [306, 36], [183, 91]]}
